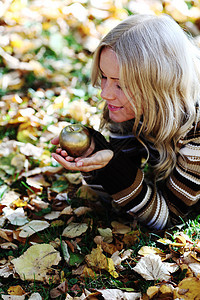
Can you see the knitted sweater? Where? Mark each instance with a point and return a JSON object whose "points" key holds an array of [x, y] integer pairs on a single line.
{"points": [[155, 205]]}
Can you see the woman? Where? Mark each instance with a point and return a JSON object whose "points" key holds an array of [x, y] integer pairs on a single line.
{"points": [[149, 74]]}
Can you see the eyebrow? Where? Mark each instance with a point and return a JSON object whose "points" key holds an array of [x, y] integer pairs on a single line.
{"points": [[110, 77]]}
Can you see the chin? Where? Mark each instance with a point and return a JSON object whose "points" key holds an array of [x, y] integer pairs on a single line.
{"points": [[119, 119]]}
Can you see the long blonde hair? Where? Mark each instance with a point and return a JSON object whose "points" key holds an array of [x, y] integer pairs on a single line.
{"points": [[160, 74]]}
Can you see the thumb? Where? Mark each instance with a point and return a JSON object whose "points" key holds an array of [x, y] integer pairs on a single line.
{"points": [[55, 141]]}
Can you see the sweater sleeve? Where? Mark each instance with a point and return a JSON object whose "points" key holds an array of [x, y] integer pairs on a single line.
{"points": [[182, 188], [154, 205], [125, 182]]}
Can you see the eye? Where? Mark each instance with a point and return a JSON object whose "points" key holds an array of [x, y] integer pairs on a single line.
{"points": [[119, 87]]}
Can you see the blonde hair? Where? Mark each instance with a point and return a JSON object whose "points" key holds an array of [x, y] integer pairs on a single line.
{"points": [[160, 74]]}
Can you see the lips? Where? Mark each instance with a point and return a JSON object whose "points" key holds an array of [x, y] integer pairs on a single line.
{"points": [[114, 108]]}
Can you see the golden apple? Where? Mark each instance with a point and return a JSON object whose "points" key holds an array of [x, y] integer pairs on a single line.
{"points": [[75, 139]]}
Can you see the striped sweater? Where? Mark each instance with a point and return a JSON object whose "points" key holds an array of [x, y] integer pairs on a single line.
{"points": [[155, 204]]}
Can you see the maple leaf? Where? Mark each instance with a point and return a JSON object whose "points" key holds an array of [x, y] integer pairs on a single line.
{"points": [[151, 267]]}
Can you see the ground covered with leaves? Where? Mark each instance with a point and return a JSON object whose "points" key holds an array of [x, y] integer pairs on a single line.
{"points": [[57, 241]]}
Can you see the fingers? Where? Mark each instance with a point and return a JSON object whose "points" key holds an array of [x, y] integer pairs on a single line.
{"points": [[94, 162], [97, 160], [55, 141], [65, 163]]}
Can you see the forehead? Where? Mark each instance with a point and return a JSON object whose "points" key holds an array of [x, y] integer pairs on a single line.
{"points": [[108, 62]]}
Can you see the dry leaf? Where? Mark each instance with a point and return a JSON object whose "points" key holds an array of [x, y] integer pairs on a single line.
{"points": [[111, 294], [67, 211], [146, 250], [16, 217], [151, 267], [120, 228], [195, 267], [188, 288], [131, 238], [152, 291], [52, 215], [13, 297], [74, 178], [85, 192], [35, 296], [35, 263], [106, 234], [99, 261], [59, 290], [33, 227], [75, 229], [6, 271], [8, 246], [16, 290], [82, 210]]}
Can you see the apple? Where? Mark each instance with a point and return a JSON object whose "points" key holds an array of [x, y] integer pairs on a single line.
{"points": [[75, 139]]}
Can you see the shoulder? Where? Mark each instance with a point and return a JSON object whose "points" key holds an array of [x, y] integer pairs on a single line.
{"points": [[190, 145]]}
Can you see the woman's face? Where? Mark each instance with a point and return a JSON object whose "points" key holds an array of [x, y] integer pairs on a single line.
{"points": [[119, 106]]}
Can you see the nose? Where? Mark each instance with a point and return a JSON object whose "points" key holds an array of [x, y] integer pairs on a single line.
{"points": [[107, 91]]}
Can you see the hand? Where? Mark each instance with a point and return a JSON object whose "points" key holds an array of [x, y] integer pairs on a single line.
{"points": [[85, 164], [64, 153]]}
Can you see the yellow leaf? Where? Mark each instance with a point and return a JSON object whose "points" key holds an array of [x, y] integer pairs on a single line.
{"points": [[180, 241], [152, 291], [99, 261], [145, 250], [188, 288], [16, 290], [88, 272], [19, 203]]}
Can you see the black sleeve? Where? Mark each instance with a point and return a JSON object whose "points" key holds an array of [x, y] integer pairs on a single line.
{"points": [[100, 141]]}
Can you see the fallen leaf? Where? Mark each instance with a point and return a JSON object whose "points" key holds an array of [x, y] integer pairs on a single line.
{"points": [[12, 297], [6, 271], [33, 227], [59, 290], [16, 217], [8, 246], [81, 210], [52, 215], [188, 288], [16, 290], [74, 178], [146, 250], [120, 228], [110, 294], [67, 211], [75, 229], [131, 238], [35, 296], [106, 234], [65, 251], [152, 291], [99, 261], [151, 267], [85, 192], [195, 267], [35, 263]]}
